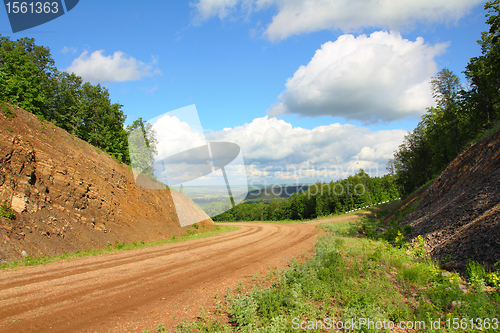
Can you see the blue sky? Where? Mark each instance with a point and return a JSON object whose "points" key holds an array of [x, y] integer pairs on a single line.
{"points": [[345, 80]]}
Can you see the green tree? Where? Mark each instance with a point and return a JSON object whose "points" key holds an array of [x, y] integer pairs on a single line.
{"points": [[143, 142], [27, 73], [446, 90], [483, 72]]}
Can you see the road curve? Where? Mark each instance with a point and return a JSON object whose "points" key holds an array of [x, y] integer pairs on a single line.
{"points": [[126, 291]]}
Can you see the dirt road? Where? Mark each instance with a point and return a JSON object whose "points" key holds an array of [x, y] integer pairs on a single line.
{"points": [[133, 290]]}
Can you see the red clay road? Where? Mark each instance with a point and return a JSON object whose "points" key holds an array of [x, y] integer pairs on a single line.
{"points": [[133, 290]]}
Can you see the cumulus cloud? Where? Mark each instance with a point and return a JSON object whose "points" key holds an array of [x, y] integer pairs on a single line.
{"points": [[118, 67], [366, 78], [176, 136], [273, 148], [302, 16]]}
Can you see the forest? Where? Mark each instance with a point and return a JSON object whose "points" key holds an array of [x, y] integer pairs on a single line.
{"points": [[460, 117], [321, 199]]}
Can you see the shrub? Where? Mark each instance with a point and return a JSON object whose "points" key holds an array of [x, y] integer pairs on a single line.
{"points": [[418, 249], [492, 279], [6, 211], [476, 274]]}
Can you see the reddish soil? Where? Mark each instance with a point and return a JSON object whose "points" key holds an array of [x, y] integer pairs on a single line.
{"points": [[135, 290], [68, 195]]}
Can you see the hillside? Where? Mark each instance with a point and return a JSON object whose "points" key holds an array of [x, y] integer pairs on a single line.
{"points": [[68, 195], [459, 215]]}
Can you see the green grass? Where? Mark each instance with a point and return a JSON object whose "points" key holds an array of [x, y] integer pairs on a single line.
{"points": [[6, 111], [6, 211], [31, 261], [351, 278]]}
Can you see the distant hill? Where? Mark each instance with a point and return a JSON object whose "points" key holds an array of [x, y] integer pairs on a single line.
{"points": [[268, 193], [459, 215], [68, 195]]}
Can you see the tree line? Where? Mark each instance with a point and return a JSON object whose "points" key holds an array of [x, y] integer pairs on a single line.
{"points": [[460, 117], [321, 199], [30, 80]]}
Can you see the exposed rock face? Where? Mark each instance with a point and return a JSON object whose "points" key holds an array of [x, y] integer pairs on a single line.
{"points": [[67, 195], [459, 215]]}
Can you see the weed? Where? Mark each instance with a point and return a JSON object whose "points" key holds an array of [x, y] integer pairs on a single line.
{"points": [[447, 258], [9, 129], [399, 241], [7, 112], [492, 279], [6, 211], [202, 314], [219, 308], [119, 246], [476, 273], [418, 247]]}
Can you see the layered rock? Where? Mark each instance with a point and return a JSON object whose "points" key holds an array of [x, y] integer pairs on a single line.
{"points": [[68, 195]]}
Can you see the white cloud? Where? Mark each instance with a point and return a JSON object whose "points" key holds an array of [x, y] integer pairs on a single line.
{"points": [[97, 67], [206, 9], [175, 136], [296, 17], [302, 16], [274, 149], [70, 49], [367, 78]]}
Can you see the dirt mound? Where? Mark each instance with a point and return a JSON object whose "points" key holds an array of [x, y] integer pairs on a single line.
{"points": [[459, 213], [68, 195]]}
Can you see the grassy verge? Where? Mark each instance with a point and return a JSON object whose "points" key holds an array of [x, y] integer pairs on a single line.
{"points": [[31, 261], [370, 285]]}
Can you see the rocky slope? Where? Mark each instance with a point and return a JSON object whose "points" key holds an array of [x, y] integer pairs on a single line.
{"points": [[68, 195], [459, 215]]}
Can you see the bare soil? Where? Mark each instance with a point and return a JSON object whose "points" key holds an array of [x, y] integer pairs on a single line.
{"points": [[459, 215], [135, 290], [68, 195]]}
